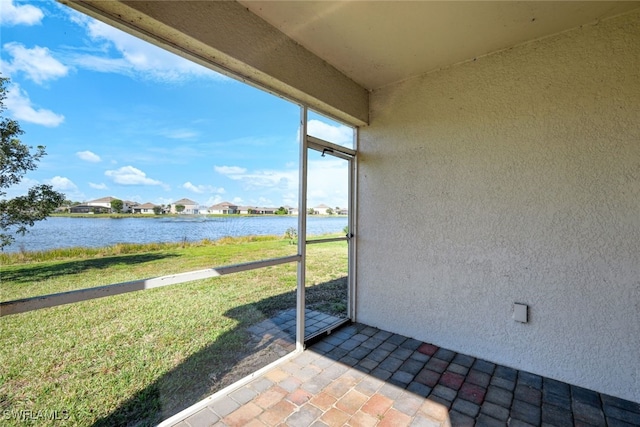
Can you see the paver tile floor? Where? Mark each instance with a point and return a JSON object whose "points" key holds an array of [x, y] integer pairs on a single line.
{"points": [[283, 325], [364, 376]]}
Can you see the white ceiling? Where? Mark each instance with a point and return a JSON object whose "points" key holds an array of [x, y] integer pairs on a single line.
{"points": [[376, 43]]}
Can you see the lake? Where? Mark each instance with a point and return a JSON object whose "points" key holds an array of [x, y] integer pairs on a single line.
{"points": [[61, 232]]}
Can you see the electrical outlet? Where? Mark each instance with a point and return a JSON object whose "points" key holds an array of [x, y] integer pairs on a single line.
{"points": [[520, 312]]}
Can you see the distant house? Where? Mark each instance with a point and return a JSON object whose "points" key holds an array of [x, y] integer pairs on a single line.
{"points": [[88, 209], [129, 205], [190, 207], [264, 210], [322, 209], [291, 210], [146, 208], [224, 208], [105, 202], [257, 210]]}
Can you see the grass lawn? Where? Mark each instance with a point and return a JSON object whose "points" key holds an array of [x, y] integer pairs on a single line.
{"points": [[138, 358]]}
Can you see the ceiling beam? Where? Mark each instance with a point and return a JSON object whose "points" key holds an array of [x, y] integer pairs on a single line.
{"points": [[227, 37]]}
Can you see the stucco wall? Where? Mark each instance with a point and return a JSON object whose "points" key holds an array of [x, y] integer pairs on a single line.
{"points": [[513, 178]]}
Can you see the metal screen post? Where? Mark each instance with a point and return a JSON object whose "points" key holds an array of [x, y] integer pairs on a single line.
{"points": [[302, 232], [353, 230]]}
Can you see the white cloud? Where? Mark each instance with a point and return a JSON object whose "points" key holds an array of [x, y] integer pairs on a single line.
{"points": [[88, 156], [290, 199], [126, 54], [60, 183], [263, 201], [201, 189], [24, 14], [128, 175], [339, 134], [277, 184], [267, 179], [100, 186], [229, 170], [237, 200], [328, 182], [179, 134], [101, 64], [19, 189], [164, 201], [190, 186], [66, 186], [37, 63], [213, 200], [20, 107]]}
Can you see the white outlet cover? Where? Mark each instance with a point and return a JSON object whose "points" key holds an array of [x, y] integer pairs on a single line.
{"points": [[520, 312]]}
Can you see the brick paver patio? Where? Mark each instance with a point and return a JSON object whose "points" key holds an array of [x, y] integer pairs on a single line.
{"points": [[283, 326], [364, 376]]}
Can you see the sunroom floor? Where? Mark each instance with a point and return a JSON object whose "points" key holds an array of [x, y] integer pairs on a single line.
{"points": [[363, 376]]}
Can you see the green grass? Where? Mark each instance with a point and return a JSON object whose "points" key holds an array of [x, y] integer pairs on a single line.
{"points": [[138, 358]]}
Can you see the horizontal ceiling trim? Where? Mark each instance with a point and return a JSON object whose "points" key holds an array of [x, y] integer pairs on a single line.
{"points": [[230, 39]]}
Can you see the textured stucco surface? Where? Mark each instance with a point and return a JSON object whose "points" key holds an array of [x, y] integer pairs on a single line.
{"points": [[514, 178]]}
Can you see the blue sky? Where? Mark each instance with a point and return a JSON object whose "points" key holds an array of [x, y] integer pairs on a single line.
{"points": [[120, 117]]}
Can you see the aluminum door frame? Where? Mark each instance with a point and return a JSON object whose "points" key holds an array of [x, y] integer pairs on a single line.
{"points": [[310, 142]]}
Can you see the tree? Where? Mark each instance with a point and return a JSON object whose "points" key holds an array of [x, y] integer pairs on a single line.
{"points": [[282, 211], [291, 233], [157, 210], [329, 211], [117, 205], [180, 208], [311, 211], [16, 159]]}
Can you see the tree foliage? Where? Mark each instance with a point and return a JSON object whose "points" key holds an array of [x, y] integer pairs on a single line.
{"points": [[180, 208], [291, 234], [117, 205], [282, 211], [16, 159]]}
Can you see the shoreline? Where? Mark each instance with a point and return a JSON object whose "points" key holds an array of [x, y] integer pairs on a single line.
{"points": [[128, 215]]}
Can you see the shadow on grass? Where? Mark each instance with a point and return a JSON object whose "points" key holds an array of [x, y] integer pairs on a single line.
{"points": [[233, 356], [29, 273]]}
